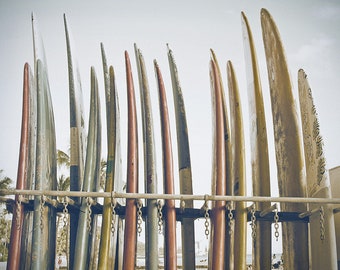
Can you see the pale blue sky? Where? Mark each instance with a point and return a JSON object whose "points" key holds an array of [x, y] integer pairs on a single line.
{"points": [[310, 31]]}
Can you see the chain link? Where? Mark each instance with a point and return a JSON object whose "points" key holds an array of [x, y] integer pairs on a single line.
{"points": [[113, 218], [65, 211], [60, 238], [139, 216], [230, 217], [182, 205], [17, 211], [42, 210], [206, 216], [65, 224], [160, 204], [276, 225], [253, 222], [89, 213], [322, 223]]}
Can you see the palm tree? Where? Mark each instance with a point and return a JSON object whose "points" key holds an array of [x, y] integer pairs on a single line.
{"points": [[63, 162], [4, 181], [5, 224]]}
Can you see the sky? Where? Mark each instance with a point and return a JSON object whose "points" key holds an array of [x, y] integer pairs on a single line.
{"points": [[310, 31]]}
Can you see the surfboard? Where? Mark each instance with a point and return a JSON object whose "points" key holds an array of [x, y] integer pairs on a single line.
{"points": [[323, 247], [218, 218], [238, 173], [130, 231], [150, 175], [26, 238], [92, 167], [184, 165], [170, 254], [119, 184], [262, 246], [288, 146], [229, 237], [108, 242], [77, 133], [94, 240], [14, 249], [44, 220]]}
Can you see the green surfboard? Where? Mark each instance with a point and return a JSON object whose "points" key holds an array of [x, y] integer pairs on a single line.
{"points": [[184, 165], [150, 176], [92, 167]]}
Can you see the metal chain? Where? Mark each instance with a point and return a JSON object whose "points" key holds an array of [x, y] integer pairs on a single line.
{"points": [[160, 204], [113, 218], [206, 216], [60, 238], [59, 249], [253, 222], [139, 216], [276, 225], [182, 205], [42, 209], [65, 211], [17, 211], [322, 223], [89, 213], [230, 217]]}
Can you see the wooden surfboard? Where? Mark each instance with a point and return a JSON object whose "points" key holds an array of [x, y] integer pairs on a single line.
{"points": [[229, 237], [150, 176], [44, 220], [262, 246], [26, 238], [237, 169], [323, 248], [170, 254], [287, 145], [218, 218], [130, 233], [184, 165], [77, 134], [28, 110]]}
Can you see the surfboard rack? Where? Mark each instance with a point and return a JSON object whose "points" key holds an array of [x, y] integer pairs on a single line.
{"points": [[181, 212]]}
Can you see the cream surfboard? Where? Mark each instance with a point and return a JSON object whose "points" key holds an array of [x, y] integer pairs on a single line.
{"points": [[322, 243], [288, 145], [262, 246], [237, 169]]}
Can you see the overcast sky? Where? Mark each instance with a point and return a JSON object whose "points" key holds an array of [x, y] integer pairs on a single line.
{"points": [[310, 31]]}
